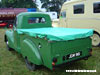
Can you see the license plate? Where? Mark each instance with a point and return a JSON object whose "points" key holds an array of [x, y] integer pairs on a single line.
{"points": [[74, 55]]}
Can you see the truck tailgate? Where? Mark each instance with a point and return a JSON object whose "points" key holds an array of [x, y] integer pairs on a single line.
{"points": [[63, 50]]}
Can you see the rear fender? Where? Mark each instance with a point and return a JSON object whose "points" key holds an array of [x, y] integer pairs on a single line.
{"points": [[29, 50]]}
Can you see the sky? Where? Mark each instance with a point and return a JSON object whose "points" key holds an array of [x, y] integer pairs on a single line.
{"points": [[38, 2]]}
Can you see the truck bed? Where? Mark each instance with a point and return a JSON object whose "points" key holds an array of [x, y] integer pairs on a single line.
{"points": [[57, 34]]}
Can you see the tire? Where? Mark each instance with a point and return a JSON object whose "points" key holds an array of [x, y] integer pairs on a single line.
{"points": [[29, 65], [7, 25], [96, 39], [7, 45]]}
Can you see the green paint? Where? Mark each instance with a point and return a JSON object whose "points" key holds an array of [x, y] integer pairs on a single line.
{"points": [[40, 43]]}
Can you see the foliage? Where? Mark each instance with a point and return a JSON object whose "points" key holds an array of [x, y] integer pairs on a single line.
{"points": [[52, 5], [0, 4], [19, 3]]}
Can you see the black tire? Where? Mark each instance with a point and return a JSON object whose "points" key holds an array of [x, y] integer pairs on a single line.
{"points": [[29, 65], [7, 45], [7, 25]]}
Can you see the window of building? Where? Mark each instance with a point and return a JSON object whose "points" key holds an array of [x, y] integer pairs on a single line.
{"points": [[96, 7], [79, 9]]}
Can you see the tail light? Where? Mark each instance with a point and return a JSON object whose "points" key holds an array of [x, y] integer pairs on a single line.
{"points": [[53, 64], [54, 61]]}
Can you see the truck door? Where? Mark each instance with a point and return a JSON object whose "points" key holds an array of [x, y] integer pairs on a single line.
{"points": [[16, 37], [62, 19]]}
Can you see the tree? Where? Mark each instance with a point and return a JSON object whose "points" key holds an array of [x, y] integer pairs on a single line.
{"points": [[52, 5], [0, 4], [19, 3]]}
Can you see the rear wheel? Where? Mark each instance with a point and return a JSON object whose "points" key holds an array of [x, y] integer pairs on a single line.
{"points": [[96, 39], [30, 65]]}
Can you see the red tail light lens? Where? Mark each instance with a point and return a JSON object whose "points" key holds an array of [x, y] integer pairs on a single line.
{"points": [[53, 63]]}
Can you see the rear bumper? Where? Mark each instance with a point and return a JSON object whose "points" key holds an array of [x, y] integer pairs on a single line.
{"points": [[82, 58]]}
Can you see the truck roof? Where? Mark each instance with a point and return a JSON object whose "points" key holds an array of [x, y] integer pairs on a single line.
{"points": [[57, 34], [73, 1], [31, 13]]}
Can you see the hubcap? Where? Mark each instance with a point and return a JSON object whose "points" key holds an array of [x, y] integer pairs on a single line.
{"points": [[95, 40], [10, 26], [7, 42]]}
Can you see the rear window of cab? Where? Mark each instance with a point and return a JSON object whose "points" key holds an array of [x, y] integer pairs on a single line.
{"points": [[33, 20]]}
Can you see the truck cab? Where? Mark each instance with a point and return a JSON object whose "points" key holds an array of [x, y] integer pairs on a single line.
{"points": [[40, 44]]}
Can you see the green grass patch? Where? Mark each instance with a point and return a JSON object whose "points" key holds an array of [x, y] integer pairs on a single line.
{"points": [[12, 63]]}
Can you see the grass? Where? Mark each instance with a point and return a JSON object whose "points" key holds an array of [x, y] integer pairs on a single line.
{"points": [[12, 63]]}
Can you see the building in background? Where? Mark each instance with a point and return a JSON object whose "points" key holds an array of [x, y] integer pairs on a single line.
{"points": [[53, 15], [8, 15]]}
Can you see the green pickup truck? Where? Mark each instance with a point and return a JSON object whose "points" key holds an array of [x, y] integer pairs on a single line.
{"points": [[40, 44]]}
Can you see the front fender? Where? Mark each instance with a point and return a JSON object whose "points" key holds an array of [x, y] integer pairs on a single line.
{"points": [[29, 50], [10, 38], [96, 30]]}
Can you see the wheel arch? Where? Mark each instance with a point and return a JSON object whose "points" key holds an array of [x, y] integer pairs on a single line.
{"points": [[8, 37], [96, 32], [30, 51]]}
